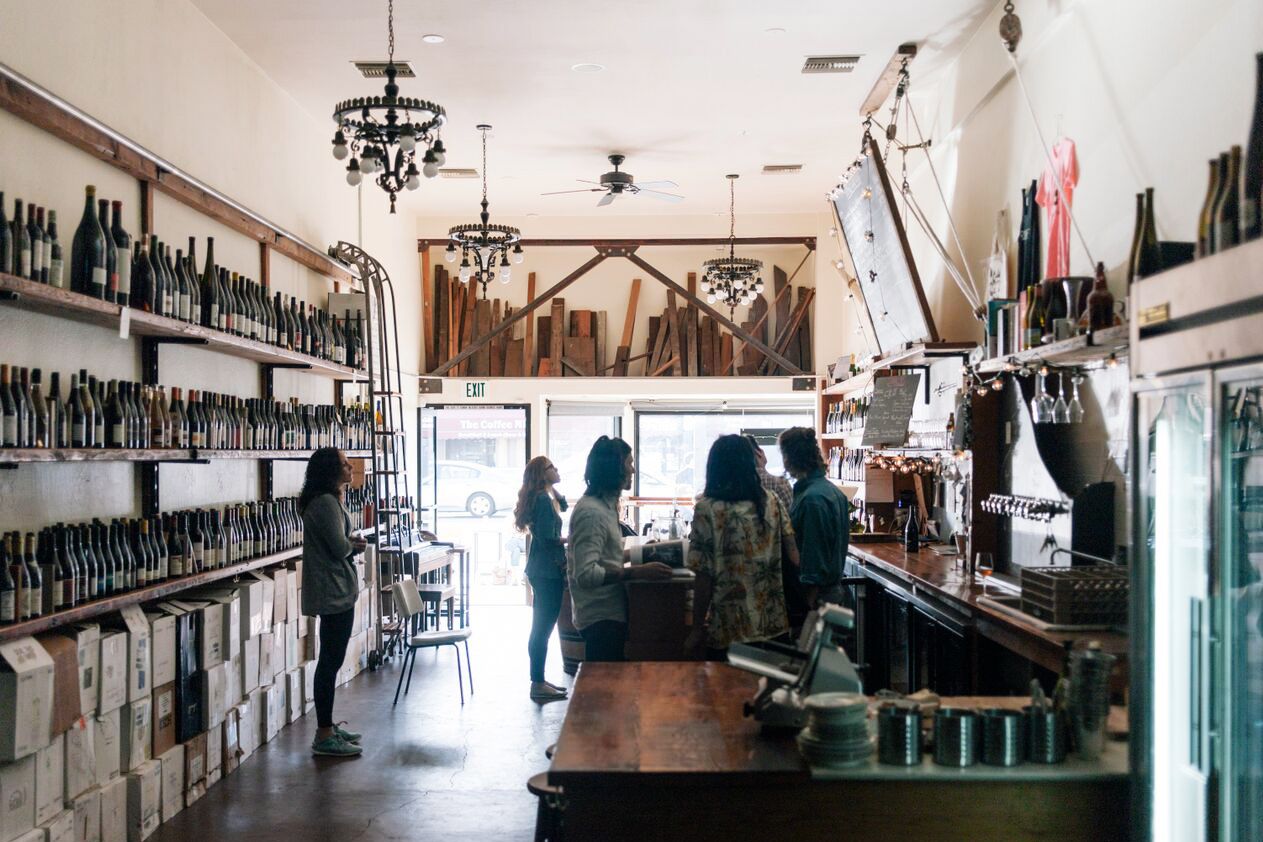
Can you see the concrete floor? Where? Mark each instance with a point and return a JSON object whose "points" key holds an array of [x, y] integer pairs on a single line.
{"points": [[429, 766]]}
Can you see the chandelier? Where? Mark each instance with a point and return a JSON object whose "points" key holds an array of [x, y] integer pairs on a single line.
{"points": [[382, 133], [732, 280], [489, 245]]}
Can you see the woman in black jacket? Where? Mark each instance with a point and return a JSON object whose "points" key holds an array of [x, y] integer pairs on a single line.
{"points": [[538, 511], [330, 586]]}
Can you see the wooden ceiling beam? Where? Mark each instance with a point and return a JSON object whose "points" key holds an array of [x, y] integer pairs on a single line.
{"points": [[636, 242]]}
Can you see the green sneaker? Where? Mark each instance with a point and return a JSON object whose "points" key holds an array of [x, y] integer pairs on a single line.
{"points": [[349, 736], [335, 746]]}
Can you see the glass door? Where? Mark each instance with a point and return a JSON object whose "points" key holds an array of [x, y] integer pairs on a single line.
{"points": [[1239, 675], [1169, 621]]}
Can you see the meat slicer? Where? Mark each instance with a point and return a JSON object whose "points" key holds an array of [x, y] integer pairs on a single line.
{"points": [[789, 674]]}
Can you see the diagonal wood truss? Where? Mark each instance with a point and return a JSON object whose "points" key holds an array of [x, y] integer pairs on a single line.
{"points": [[627, 249]]}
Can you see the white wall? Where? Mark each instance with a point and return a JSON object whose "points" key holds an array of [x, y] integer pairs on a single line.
{"points": [[160, 73], [1148, 89]]}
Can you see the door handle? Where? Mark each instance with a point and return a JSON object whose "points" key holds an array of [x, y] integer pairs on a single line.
{"points": [[1196, 680]]}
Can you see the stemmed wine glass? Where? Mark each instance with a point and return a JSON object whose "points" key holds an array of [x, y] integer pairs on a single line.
{"points": [[1061, 409], [1076, 408], [1042, 404]]}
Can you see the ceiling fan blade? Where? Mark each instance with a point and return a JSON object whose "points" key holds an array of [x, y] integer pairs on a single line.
{"points": [[583, 190], [666, 197], [655, 185], [588, 181], [605, 200]]}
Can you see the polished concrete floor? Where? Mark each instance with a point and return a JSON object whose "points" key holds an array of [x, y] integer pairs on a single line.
{"points": [[430, 769]]}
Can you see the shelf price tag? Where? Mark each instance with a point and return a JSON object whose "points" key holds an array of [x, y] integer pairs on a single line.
{"points": [[125, 322]]}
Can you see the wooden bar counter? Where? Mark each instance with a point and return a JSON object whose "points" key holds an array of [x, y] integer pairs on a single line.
{"points": [[661, 751]]}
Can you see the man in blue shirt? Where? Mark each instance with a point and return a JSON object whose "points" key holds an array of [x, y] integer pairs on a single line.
{"points": [[821, 521]]}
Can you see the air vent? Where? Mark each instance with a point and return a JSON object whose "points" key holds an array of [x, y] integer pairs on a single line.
{"points": [[782, 169], [458, 172], [377, 69], [830, 64]]}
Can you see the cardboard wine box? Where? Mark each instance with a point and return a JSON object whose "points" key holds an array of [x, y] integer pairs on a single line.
{"points": [[17, 798], [164, 714], [50, 780], [26, 698], [113, 671], [87, 638], [108, 744], [61, 827], [80, 760], [114, 811], [136, 731], [87, 812], [144, 801], [172, 782]]}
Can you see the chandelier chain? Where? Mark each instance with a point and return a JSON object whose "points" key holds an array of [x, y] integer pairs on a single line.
{"points": [[484, 165], [390, 28]]}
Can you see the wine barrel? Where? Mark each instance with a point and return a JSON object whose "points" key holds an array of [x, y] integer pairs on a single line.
{"points": [[571, 640]]}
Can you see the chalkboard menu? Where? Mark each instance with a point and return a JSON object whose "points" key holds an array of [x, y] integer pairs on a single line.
{"points": [[869, 221], [890, 410]]}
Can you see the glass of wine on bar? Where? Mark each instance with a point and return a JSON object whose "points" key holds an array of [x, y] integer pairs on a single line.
{"points": [[984, 563]]}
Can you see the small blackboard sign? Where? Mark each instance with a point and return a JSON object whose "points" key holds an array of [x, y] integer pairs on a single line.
{"points": [[890, 411]]}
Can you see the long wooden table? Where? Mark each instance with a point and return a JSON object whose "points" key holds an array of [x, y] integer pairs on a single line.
{"points": [[662, 751]]}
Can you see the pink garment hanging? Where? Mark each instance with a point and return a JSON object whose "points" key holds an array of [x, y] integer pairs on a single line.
{"points": [[1066, 164]]}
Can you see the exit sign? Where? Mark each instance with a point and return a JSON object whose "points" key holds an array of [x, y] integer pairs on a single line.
{"points": [[476, 390]]}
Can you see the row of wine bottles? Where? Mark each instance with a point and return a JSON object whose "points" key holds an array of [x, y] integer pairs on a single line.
{"points": [[123, 414], [847, 416], [107, 264], [846, 464], [1232, 212], [31, 249], [67, 565]]}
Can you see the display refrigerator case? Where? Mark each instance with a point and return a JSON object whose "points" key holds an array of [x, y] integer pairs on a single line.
{"points": [[1197, 587]]}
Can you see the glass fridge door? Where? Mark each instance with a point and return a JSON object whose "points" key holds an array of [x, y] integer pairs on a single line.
{"points": [[1172, 530], [1239, 673]]}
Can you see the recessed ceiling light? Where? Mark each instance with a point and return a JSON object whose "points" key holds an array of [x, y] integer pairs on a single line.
{"points": [[775, 30], [586, 67], [532, 213], [433, 38]]}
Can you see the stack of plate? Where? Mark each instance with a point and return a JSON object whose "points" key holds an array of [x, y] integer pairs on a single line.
{"points": [[837, 729]]}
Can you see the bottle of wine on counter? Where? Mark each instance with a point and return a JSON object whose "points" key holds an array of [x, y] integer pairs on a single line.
{"points": [[88, 273], [1228, 210], [123, 243], [1147, 257], [1252, 165]]}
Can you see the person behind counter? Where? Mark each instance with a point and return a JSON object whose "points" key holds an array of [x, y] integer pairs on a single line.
{"points": [[821, 523], [741, 537], [538, 511], [330, 586], [595, 566]]}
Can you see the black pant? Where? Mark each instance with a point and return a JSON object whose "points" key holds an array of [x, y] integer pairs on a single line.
{"points": [[544, 611], [335, 633], [603, 641]]}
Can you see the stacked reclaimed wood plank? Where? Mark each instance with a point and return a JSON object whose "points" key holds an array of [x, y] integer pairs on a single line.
{"points": [[682, 341]]}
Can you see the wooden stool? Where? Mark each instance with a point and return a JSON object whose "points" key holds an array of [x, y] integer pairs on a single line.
{"points": [[552, 804]]}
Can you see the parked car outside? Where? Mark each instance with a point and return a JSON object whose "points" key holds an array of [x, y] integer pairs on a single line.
{"points": [[480, 490]]}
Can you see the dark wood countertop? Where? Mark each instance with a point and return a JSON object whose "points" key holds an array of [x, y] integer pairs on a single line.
{"points": [[939, 577]]}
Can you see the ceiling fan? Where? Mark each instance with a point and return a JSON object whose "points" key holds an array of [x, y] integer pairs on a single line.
{"points": [[618, 183]]}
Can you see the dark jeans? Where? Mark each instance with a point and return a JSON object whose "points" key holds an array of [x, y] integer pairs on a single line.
{"points": [[544, 611], [335, 633], [604, 640]]}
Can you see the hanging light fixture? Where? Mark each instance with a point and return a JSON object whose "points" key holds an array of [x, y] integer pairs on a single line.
{"points": [[732, 280], [381, 134], [483, 247]]}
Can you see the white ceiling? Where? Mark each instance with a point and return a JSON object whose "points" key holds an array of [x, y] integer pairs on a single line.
{"points": [[693, 89]]}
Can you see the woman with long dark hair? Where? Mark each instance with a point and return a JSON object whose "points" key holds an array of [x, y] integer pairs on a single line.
{"points": [[538, 511], [741, 536], [595, 566], [330, 586]]}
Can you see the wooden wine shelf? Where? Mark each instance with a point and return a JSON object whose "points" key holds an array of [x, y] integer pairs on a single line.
{"points": [[1075, 351], [41, 298], [163, 589], [920, 354], [23, 455]]}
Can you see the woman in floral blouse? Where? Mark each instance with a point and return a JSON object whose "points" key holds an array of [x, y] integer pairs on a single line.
{"points": [[740, 538]]}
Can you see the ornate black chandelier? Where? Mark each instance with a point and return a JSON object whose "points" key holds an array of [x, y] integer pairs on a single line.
{"points": [[490, 246], [382, 133], [732, 280]]}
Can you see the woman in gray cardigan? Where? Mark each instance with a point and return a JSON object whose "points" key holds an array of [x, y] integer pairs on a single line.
{"points": [[330, 586]]}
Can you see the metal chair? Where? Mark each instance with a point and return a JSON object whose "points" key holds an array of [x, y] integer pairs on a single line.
{"points": [[409, 605]]}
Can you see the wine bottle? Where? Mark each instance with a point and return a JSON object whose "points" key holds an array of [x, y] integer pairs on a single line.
{"points": [[9, 408], [123, 243], [41, 248], [1252, 165], [144, 286], [6, 241], [195, 289], [23, 384], [56, 270], [21, 242], [43, 422], [36, 236], [98, 409], [1033, 332], [210, 288], [35, 594], [8, 589], [1227, 212], [1148, 257], [1100, 302], [115, 419], [88, 274]]}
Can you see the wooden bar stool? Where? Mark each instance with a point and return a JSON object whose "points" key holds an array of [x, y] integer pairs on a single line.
{"points": [[549, 818]]}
